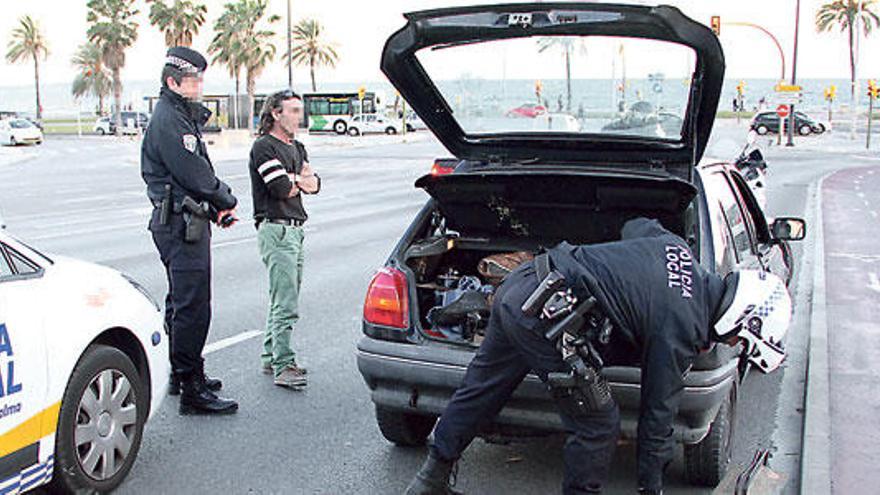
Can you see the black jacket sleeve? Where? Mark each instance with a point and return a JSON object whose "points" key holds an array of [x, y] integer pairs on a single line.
{"points": [[271, 171], [663, 367], [190, 170]]}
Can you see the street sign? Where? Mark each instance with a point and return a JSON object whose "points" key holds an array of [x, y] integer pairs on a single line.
{"points": [[782, 111], [788, 98], [787, 88]]}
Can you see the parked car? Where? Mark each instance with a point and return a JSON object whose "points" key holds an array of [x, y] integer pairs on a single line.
{"points": [[520, 191], [527, 110], [19, 131], [371, 123], [767, 122], [132, 123], [83, 365]]}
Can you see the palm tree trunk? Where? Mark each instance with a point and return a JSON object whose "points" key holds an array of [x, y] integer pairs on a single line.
{"points": [[237, 101], [117, 99], [37, 86], [250, 91], [312, 71], [100, 104], [852, 65]]}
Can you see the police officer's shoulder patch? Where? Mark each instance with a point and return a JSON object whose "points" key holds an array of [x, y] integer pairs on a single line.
{"points": [[190, 142]]}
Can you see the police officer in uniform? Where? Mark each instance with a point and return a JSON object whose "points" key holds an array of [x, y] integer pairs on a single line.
{"points": [[187, 196], [553, 315]]}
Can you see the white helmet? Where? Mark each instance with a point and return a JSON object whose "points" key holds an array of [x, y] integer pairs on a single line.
{"points": [[756, 307]]}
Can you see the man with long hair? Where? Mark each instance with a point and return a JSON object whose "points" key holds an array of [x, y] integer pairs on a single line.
{"points": [[280, 174]]}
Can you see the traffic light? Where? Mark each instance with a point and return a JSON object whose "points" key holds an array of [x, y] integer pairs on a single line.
{"points": [[830, 93], [716, 24], [361, 92], [741, 88], [873, 90]]}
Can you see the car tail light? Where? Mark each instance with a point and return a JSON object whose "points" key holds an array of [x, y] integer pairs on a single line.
{"points": [[441, 168], [387, 301]]}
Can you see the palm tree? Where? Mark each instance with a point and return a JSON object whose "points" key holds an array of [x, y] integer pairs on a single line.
{"points": [[28, 42], [226, 47], [180, 21], [240, 43], [567, 45], [309, 49], [93, 78], [843, 14], [113, 30]]}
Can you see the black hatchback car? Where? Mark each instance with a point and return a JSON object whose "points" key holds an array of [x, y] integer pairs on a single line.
{"points": [[765, 122], [515, 189]]}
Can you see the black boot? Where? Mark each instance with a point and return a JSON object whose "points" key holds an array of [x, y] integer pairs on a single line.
{"points": [[196, 398], [174, 383], [433, 478]]}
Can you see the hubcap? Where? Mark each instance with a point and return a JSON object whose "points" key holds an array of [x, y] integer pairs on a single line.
{"points": [[106, 423]]}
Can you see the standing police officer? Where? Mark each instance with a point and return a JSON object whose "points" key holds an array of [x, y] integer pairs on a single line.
{"points": [[658, 300], [187, 196]]}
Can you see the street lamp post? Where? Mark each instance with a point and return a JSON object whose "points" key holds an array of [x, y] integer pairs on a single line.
{"points": [[792, 120], [289, 65]]}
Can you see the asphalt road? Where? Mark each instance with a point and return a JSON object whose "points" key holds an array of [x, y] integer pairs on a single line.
{"points": [[84, 198]]}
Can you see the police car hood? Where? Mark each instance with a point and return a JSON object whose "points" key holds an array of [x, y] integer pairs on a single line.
{"points": [[448, 107]]}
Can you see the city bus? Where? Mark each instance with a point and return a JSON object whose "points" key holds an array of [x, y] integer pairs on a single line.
{"points": [[329, 111]]}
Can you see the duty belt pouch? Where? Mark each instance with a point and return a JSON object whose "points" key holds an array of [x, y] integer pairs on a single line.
{"points": [[194, 228]]}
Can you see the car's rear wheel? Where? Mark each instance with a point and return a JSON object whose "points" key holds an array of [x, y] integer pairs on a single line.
{"points": [[353, 131], [340, 127], [805, 130], [101, 131], [13, 141], [102, 418], [404, 429], [762, 129], [390, 130], [705, 463]]}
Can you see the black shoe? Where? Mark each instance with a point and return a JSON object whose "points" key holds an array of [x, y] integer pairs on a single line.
{"points": [[174, 384], [196, 398], [434, 478]]}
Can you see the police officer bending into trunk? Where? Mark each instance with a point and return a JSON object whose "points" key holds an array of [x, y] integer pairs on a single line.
{"points": [[187, 197], [560, 315]]}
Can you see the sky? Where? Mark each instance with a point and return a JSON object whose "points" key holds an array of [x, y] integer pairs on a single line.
{"points": [[359, 30]]}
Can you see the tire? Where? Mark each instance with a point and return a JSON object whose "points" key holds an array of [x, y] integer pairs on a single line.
{"points": [[821, 129], [805, 130], [13, 141], [340, 127], [404, 429], [706, 463], [101, 131], [100, 366], [390, 130], [353, 131], [762, 129]]}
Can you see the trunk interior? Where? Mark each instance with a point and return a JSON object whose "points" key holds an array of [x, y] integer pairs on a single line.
{"points": [[475, 217]]}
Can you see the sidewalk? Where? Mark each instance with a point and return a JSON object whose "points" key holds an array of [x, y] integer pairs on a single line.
{"points": [[842, 432]]}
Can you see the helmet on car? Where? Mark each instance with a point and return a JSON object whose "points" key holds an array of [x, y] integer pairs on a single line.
{"points": [[756, 307]]}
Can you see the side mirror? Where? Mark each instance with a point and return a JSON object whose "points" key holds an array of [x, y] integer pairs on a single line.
{"points": [[788, 229]]}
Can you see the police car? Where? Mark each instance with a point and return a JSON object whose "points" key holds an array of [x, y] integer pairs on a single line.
{"points": [[83, 363]]}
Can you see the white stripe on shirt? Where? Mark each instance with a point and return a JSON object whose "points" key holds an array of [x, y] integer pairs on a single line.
{"points": [[262, 169], [274, 175]]}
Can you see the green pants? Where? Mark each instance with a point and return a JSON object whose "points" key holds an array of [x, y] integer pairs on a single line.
{"points": [[281, 248]]}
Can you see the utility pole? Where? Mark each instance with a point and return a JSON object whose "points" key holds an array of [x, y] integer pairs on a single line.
{"points": [[792, 120], [289, 65]]}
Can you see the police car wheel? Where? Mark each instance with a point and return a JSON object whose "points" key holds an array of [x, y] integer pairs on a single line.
{"points": [[706, 462], [404, 429], [102, 418], [340, 127]]}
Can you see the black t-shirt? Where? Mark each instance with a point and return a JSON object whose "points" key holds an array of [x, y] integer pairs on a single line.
{"points": [[271, 161]]}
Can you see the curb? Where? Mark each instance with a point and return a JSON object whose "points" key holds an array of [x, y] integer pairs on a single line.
{"points": [[816, 447]]}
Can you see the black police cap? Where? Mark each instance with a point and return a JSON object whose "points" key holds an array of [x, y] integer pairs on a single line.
{"points": [[186, 59]]}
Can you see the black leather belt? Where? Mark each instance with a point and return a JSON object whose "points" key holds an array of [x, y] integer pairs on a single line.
{"points": [[291, 222]]}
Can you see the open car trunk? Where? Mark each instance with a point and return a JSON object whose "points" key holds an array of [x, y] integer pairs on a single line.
{"points": [[519, 213]]}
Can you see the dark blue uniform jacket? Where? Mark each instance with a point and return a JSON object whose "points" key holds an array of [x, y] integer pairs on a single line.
{"points": [[663, 302]]}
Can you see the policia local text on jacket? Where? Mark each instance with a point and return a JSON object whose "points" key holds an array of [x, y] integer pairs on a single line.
{"points": [[661, 303], [174, 154]]}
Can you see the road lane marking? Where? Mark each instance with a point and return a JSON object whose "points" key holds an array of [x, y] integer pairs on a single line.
{"points": [[873, 282], [867, 258], [229, 341]]}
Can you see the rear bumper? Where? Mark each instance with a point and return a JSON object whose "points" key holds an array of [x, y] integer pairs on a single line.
{"points": [[421, 379]]}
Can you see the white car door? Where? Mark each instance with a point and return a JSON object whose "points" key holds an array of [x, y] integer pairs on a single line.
{"points": [[25, 414]]}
